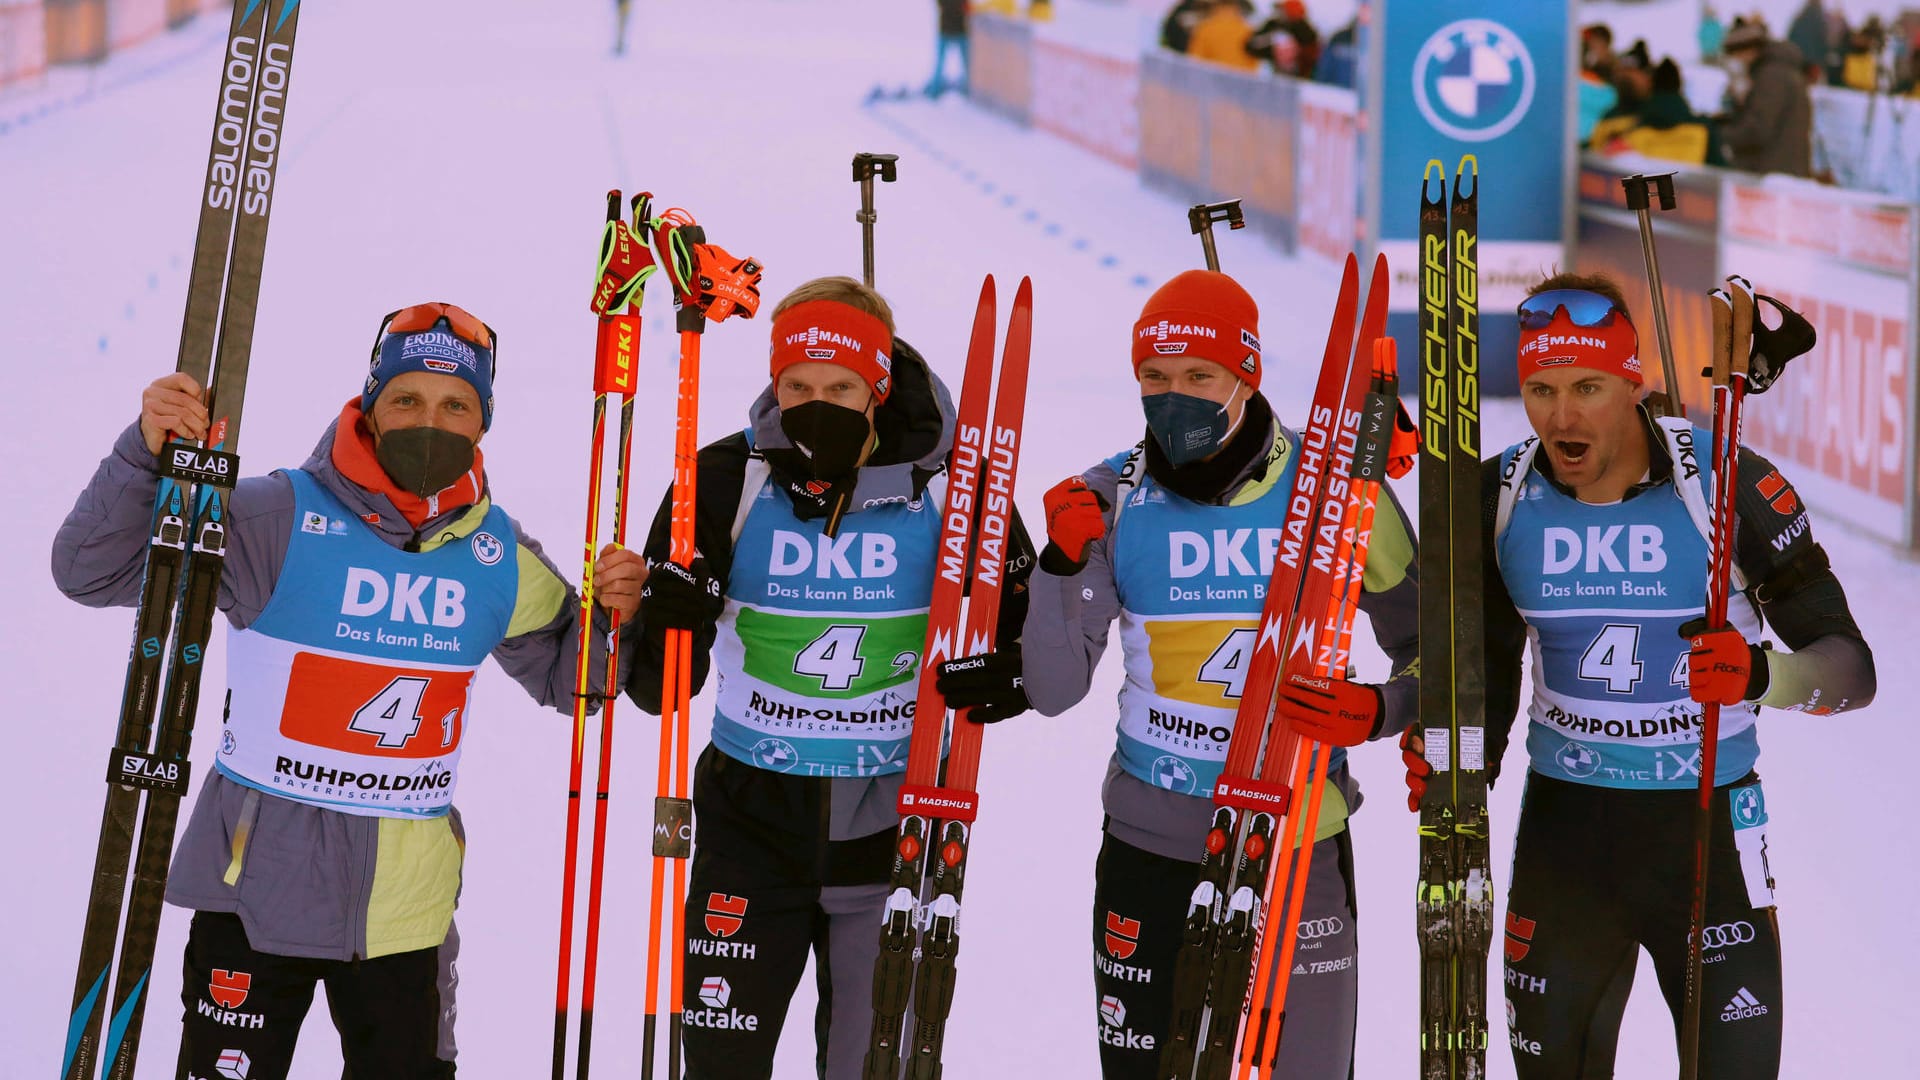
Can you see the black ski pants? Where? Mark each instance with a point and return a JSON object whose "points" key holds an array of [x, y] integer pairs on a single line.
{"points": [[1601, 873], [1139, 907], [244, 1008], [769, 889]]}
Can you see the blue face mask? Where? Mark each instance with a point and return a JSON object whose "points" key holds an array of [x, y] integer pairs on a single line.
{"points": [[1188, 428]]}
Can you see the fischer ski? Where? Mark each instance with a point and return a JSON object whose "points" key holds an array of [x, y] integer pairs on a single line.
{"points": [[919, 942], [1455, 891], [186, 547]]}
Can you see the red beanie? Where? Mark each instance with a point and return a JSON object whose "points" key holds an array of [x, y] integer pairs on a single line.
{"points": [[835, 333], [1614, 349], [1203, 314]]}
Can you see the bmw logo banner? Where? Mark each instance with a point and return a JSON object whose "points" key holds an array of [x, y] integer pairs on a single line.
{"points": [[1491, 78]]}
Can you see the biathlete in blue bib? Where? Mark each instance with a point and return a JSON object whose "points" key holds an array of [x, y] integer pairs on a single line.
{"points": [[816, 532], [362, 591], [1596, 554], [1176, 539]]}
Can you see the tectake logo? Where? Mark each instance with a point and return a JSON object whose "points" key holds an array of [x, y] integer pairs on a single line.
{"points": [[1473, 80], [715, 992], [233, 1064], [1113, 1011]]}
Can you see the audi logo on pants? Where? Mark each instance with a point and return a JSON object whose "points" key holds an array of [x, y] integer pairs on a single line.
{"points": [[1725, 935], [1320, 928]]}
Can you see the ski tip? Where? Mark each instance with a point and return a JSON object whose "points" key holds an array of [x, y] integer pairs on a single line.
{"points": [[986, 289], [1467, 174], [1024, 294], [1435, 165]]}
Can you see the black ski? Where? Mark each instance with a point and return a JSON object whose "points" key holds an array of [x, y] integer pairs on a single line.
{"points": [[223, 292], [1455, 893]]}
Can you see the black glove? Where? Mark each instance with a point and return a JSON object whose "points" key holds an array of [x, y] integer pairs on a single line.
{"points": [[680, 597], [987, 684]]}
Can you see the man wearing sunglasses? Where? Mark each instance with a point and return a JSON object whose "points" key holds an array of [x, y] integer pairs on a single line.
{"points": [[1596, 553], [816, 530], [363, 589]]}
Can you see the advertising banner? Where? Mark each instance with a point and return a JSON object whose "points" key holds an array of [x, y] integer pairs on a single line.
{"points": [[1490, 78], [1329, 184], [1087, 98], [1000, 65]]}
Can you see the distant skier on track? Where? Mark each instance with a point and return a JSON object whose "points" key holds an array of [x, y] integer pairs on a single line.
{"points": [[816, 529], [363, 590], [1597, 554], [1175, 538]]}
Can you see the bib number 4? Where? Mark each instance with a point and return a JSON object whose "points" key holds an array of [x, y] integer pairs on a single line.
{"points": [[394, 714], [833, 657]]}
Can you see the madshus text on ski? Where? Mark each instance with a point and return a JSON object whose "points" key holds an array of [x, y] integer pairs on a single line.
{"points": [[847, 568]]}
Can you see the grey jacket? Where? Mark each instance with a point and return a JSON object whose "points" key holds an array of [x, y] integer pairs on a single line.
{"points": [[1772, 130], [1066, 633], [308, 881]]}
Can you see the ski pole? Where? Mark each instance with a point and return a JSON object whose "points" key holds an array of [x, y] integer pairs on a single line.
{"points": [[1643, 192], [616, 349], [1201, 219], [1732, 350], [866, 168]]}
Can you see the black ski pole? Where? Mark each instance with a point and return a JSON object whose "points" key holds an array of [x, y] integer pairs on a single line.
{"points": [[1201, 219], [867, 168], [1643, 192]]}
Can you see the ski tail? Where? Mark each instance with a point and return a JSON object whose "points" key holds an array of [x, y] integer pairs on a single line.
{"points": [[893, 973], [935, 973]]}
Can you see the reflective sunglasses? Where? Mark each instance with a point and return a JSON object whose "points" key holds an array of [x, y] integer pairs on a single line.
{"points": [[419, 317], [1583, 308]]}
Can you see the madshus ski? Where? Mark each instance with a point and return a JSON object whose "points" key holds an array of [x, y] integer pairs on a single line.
{"points": [[920, 941], [186, 548], [1223, 936], [1455, 891]]}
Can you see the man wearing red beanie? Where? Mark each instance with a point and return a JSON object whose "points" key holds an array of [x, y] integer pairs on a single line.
{"points": [[1176, 539], [816, 529], [1596, 554]]}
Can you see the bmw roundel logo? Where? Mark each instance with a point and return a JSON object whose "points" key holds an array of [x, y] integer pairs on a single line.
{"points": [[1473, 80], [775, 755], [1174, 774], [1749, 809], [1579, 759], [487, 548]]}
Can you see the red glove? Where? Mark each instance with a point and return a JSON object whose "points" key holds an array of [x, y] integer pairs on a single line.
{"points": [[1418, 770], [1328, 710], [1074, 520], [1721, 666]]}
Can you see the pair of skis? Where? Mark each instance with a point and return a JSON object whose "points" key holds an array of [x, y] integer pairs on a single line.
{"points": [[1225, 1004], [1454, 906], [147, 773], [920, 941]]}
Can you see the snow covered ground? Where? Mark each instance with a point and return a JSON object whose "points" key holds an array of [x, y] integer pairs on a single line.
{"points": [[461, 151]]}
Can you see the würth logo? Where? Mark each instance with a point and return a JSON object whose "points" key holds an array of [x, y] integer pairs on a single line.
{"points": [[1519, 937], [229, 989], [725, 914], [1123, 935]]}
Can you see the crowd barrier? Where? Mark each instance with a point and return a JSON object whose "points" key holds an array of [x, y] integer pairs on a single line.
{"points": [[42, 32], [1842, 421]]}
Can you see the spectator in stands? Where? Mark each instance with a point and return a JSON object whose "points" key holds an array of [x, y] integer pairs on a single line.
{"points": [[953, 38], [1177, 31], [1860, 66], [1632, 82], [1288, 41], [1770, 128], [1712, 33], [1223, 37], [1597, 97], [1337, 58], [1808, 33], [1665, 126]]}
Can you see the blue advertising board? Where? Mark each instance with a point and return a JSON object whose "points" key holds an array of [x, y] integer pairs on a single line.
{"points": [[1490, 78]]}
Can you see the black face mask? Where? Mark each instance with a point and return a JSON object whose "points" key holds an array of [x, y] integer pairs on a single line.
{"points": [[424, 460], [831, 437]]}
